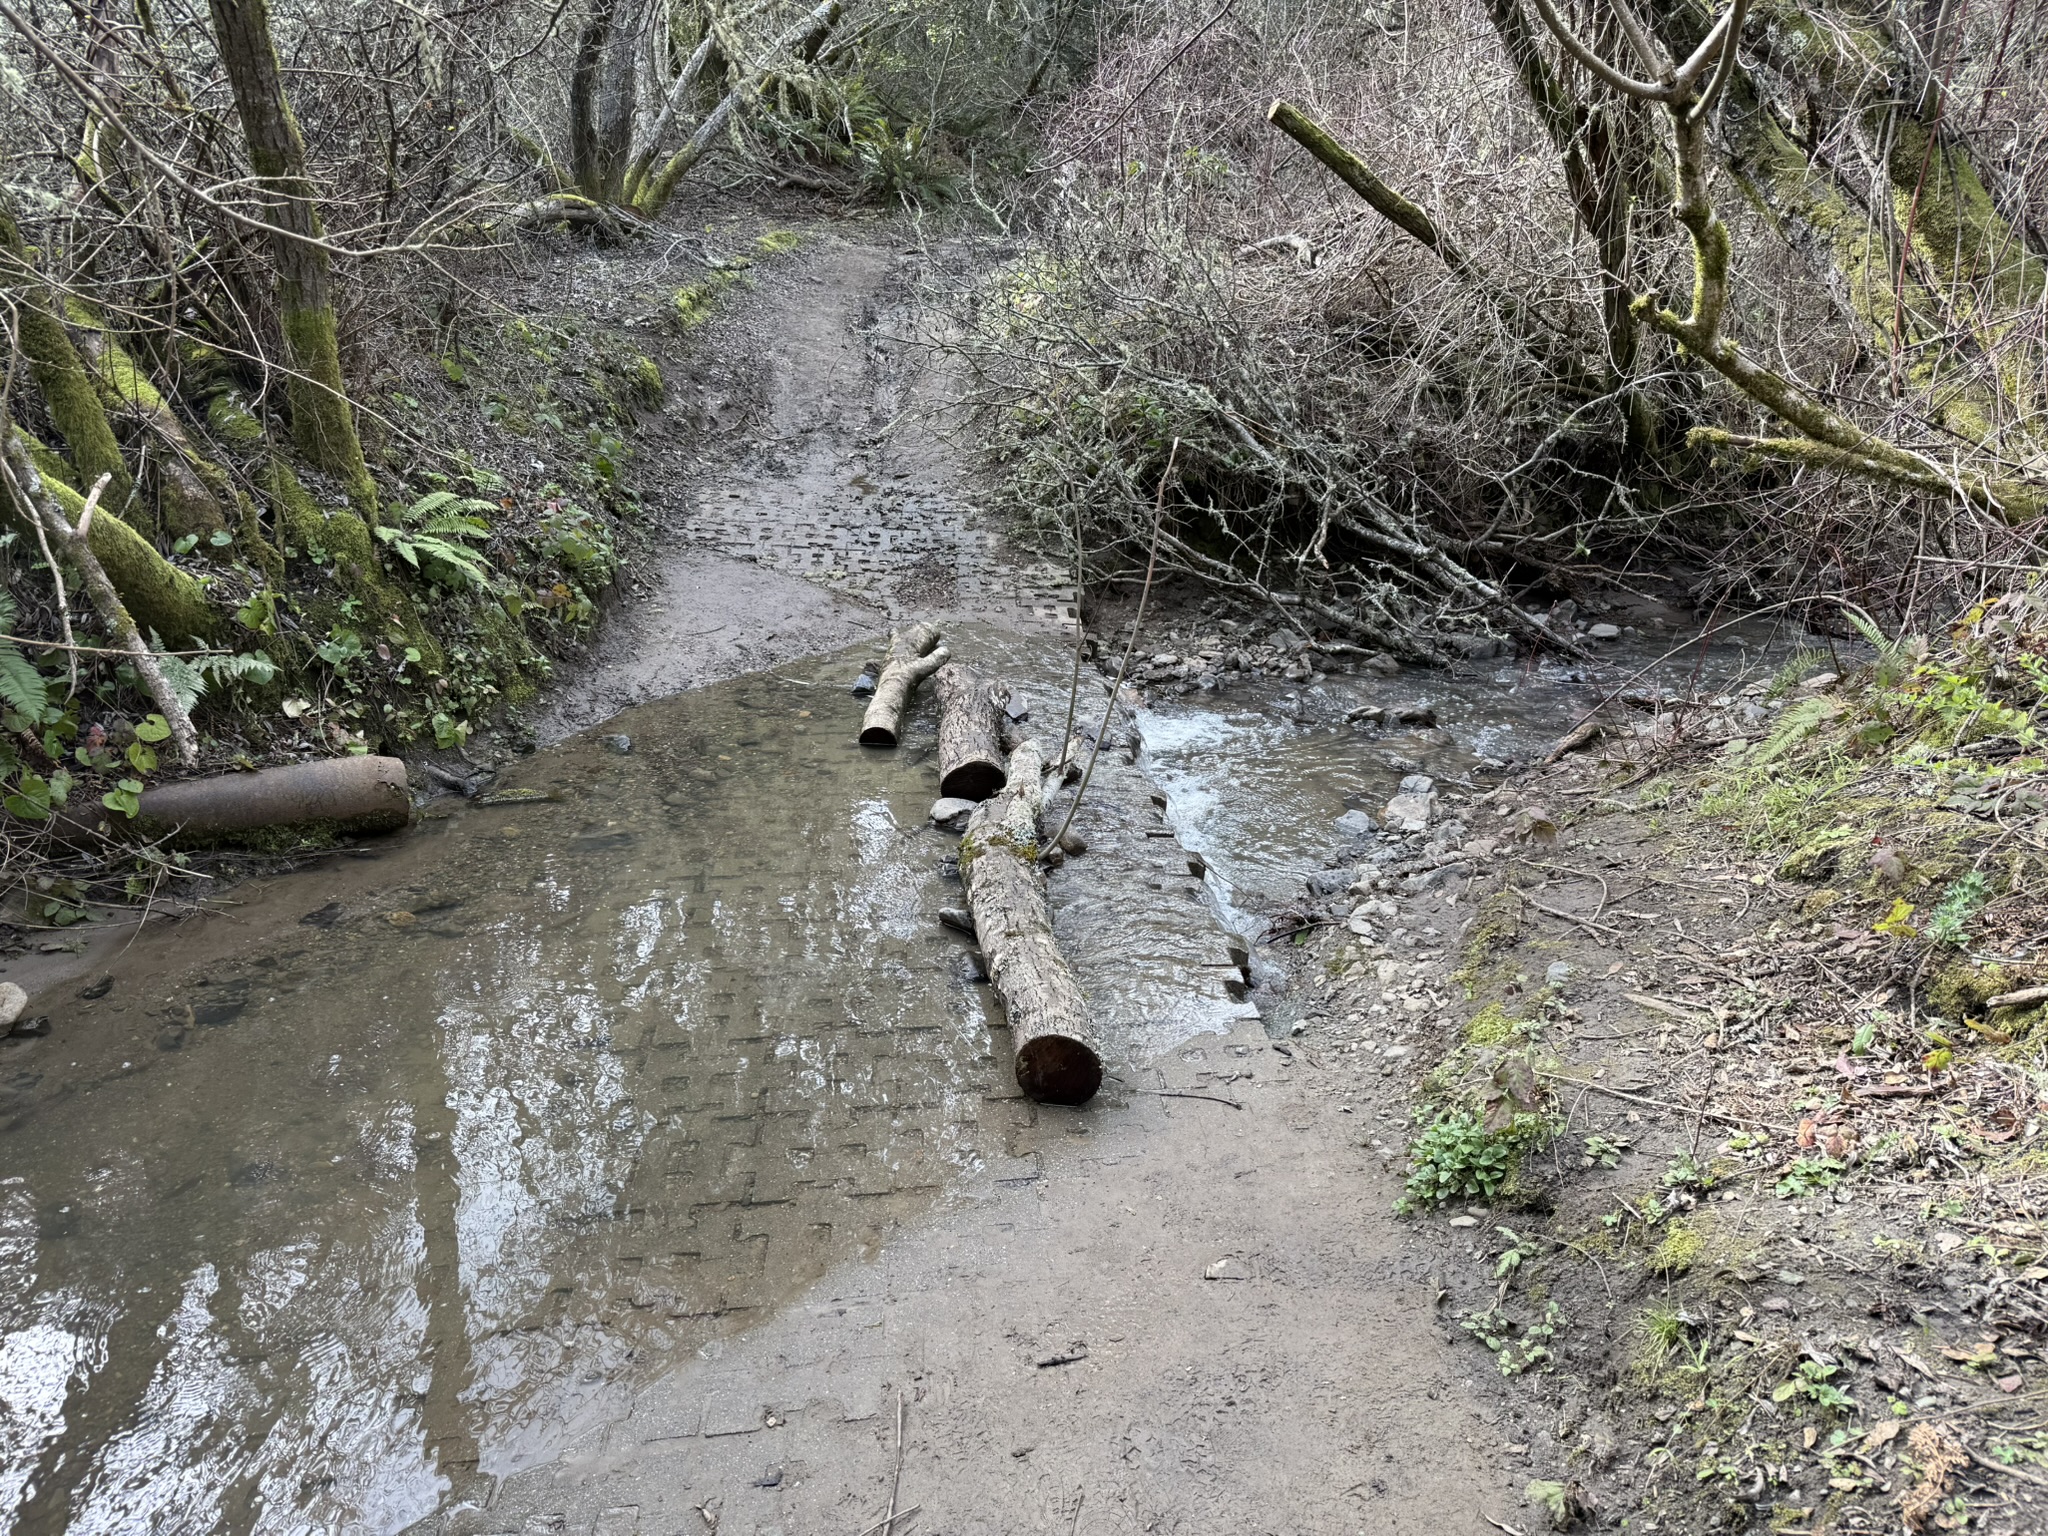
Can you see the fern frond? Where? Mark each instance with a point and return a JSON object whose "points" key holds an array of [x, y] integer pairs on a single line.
{"points": [[21, 685]]}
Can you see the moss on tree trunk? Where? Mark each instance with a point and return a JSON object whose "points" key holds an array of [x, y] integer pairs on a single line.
{"points": [[59, 373], [323, 421]]}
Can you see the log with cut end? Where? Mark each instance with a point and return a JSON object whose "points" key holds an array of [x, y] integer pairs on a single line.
{"points": [[970, 733], [912, 659], [1057, 1062]]}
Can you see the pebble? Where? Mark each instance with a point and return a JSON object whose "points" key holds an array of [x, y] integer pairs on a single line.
{"points": [[958, 918], [951, 813], [1605, 631], [1464, 1221], [1356, 823], [621, 744], [1227, 1269], [12, 1001]]}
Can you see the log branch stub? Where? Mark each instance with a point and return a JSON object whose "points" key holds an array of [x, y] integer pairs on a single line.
{"points": [[970, 733], [1057, 1060], [912, 659]]}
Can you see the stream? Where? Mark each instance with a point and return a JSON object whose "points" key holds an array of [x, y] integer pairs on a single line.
{"points": [[407, 1170]]}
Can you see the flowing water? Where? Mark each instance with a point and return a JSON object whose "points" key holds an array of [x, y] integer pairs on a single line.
{"points": [[333, 1209]]}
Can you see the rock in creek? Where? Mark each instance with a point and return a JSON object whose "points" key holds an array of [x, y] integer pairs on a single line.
{"points": [[1356, 824], [951, 813], [959, 919], [1410, 810]]}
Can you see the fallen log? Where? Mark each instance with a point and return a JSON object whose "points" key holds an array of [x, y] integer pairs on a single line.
{"points": [[339, 794], [970, 733], [1057, 1062], [912, 659]]}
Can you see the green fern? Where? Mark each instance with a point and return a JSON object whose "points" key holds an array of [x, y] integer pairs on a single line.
{"points": [[190, 677], [22, 687], [1798, 722], [429, 534]]}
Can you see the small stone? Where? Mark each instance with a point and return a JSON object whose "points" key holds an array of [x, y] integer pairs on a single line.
{"points": [[1464, 1221], [864, 685], [1558, 974], [1398, 1052], [94, 990], [621, 744], [1227, 1269], [1820, 682], [12, 1002], [1072, 843], [1605, 631], [958, 918], [951, 813], [1380, 664], [1356, 824]]}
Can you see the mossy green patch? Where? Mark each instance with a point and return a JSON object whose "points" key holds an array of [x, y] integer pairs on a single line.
{"points": [[1492, 1025], [1678, 1252], [778, 241], [1496, 927]]}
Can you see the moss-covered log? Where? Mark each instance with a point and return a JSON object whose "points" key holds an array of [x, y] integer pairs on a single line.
{"points": [[59, 373], [157, 593], [192, 493]]}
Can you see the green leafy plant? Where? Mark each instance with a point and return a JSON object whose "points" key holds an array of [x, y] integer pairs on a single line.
{"points": [[1809, 1176], [1516, 1347], [1961, 902], [1812, 1381], [429, 536], [22, 688], [1458, 1158], [1603, 1153]]}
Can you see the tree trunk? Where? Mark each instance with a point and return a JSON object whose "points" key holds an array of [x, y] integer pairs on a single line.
{"points": [[651, 193], [323, 423], [602, 93], [1057, 1062], [970, 733], [911, 661]]}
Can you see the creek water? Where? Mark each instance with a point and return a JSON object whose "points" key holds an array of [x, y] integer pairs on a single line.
{"points": [[344, 1204]]}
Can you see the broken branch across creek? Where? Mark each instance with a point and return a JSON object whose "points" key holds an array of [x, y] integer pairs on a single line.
{"points": [[912, 659], [1057, 1061]]}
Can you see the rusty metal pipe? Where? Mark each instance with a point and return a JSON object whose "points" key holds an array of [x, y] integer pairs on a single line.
{"points": [[348, 794]]}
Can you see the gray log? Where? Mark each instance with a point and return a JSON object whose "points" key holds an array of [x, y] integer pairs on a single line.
{"points": [[970, 733], [1057, 1062], [911, 661]]}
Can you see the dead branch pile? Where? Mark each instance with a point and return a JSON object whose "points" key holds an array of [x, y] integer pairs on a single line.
{"points": [[1460, 372]]}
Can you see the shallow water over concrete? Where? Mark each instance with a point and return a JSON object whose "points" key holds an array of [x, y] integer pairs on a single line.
{"points": [[347, 1203], [314, 1229]]}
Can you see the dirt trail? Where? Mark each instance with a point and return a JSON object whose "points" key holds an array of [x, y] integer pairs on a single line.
{"points": [[1177, 1315], [843, 510]]}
